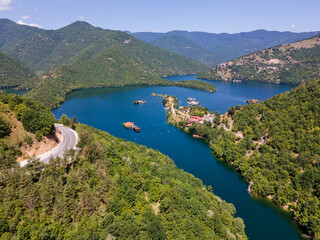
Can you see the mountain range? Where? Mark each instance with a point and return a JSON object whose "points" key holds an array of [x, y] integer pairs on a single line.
{"points": [[212, 49]]}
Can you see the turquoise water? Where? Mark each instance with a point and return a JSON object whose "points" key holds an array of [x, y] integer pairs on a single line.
{"points": [[108, 108]]}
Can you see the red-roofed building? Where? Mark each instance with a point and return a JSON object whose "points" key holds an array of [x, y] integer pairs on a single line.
{"points": [[195, 119]]}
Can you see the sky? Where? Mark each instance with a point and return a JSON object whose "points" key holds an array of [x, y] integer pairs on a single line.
{"points": [[230, 16]]}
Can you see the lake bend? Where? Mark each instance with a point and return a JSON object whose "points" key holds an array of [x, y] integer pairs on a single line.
{"points": [[108, 108]]}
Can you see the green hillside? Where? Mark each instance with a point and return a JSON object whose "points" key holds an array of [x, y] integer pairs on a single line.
{"points": [[127, 62], [113, 189], [288, 63], [275, 145], [184, 47], [15, 74]]}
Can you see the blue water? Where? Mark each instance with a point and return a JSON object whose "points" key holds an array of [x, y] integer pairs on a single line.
{"points": [[15, 91], [108, 108]]}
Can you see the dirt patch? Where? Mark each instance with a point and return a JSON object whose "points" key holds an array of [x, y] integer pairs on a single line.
{"points": [[37, 148], [156, 207]]}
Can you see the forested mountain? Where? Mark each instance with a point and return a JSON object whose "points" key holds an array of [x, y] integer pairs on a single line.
{"points": [[117, 60], [287, 63], [112, 189], [48, 49], [218, 48], [275, 145], [15, 74], [11, 33], [83, 56]]}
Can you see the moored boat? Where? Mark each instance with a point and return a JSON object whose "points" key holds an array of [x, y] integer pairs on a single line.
{"points": [[193, 103]]}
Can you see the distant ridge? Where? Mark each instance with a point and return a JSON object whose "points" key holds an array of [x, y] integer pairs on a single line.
{"points": [[222, 47]]}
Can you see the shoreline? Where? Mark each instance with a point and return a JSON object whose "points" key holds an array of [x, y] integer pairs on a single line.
{"points": [[250, 183], [165, 84]]}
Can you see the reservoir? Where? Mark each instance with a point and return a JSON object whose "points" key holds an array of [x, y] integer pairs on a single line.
{"points": [[108, 108]]}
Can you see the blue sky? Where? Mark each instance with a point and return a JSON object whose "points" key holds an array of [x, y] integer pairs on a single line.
{"points": [[165, 15]]}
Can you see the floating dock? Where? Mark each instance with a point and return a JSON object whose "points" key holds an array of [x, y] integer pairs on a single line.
{"points": [[130, 125]]}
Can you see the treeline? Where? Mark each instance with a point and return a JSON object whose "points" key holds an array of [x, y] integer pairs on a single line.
{"points": [[112, 189], [275, 145], [4, 128], [35, 117], [196, 84]]}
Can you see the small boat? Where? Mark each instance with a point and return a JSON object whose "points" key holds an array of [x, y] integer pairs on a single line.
{"points": [[189, 99], [139, 102], [237, 81], [193, 103]]}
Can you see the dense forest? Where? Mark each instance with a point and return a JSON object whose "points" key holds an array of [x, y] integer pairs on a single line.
{"points": [[288, 63], [275, 145], [111, 189], [15, 74]]}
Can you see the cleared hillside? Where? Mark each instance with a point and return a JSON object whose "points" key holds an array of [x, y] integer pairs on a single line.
{"points": [[287, 63]]}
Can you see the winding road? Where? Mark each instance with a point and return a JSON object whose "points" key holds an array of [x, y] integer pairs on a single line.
{"points": [[69, 141]]}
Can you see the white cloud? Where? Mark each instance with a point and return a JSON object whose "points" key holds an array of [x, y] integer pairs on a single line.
{"points": [[5, 5], [293, 25], [81, 17], [25, 17], [29, 24]]}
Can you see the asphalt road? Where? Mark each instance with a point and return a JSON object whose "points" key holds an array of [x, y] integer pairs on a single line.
{"points": [[69, 141]]}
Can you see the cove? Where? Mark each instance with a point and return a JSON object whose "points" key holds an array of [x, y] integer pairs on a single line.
{"points": [[108, 108]]}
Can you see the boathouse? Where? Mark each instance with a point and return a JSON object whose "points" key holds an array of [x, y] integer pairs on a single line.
{"points": [[136, 128]]}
